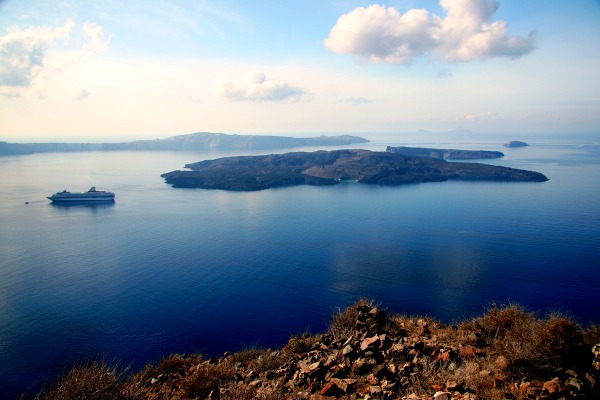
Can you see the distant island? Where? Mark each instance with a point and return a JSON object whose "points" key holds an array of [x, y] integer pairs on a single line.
{"points": [[200, 141], [247, 173], [515, 143], [445, 154]]}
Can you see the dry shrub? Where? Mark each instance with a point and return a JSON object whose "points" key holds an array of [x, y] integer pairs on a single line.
{"points": [[591, 335], [173, 364], [206, 378], [89, 380], [258, 360], [245, 392], [505, 323], [560, 342], [343, 322], [531, 344], [430, 373], [300, 344]]}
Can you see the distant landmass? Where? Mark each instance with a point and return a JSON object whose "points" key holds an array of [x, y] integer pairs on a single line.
{"points": [[190, 142], [447, 154], [246, 173], [515, 143]]}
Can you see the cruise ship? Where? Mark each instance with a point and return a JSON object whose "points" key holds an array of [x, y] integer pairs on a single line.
{"points": [[90, 195]]}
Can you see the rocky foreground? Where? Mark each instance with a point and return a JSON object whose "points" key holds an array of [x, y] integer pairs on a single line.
{"points": [[246, 173], [367, 354]]}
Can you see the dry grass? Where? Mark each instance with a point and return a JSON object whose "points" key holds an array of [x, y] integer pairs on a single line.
{"points": [[90, 380], [531, 344], [515, 344], [343, 321]]}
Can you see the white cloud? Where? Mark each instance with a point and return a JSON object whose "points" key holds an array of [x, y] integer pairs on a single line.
{"points": [[94, 36], [255, 87], [81, 94], [381, 34], [473, 117], [22, 52], [355, 101]]}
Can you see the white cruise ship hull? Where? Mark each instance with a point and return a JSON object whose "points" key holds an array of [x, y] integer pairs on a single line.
{"points": [[91, 195]]}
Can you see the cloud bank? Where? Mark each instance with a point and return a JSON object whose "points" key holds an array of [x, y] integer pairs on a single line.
{"points": [[24, 51], [384, 35], [255, 87]]}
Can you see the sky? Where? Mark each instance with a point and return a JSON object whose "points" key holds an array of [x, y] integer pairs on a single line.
{"points": [[123, 70]]}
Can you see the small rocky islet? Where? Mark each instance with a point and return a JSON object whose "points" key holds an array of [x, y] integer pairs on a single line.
{"points": [[389, 168], [515, 143]]}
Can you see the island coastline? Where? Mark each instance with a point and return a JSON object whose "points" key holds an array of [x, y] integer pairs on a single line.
{"points": [[320, 168]]}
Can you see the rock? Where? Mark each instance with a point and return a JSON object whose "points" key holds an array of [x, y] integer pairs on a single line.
{"points": [[370, 342], [575, 383], [345, 385], [375, 390], [304, 367], [442, 396], [470, 351], [347, 350], [445, 356], [453, 386], [331, 389], [524, 389], [596, 354], [591, 381], [553, 386]]}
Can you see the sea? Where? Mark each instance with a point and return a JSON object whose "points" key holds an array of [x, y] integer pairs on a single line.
{"points": [[165, 270]]}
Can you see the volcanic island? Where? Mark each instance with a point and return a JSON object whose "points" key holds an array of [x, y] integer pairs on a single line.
{"points": [[320, 168]]}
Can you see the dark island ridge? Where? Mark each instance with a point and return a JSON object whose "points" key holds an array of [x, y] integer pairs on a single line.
{"points": [[445, 154], [248, 173]]}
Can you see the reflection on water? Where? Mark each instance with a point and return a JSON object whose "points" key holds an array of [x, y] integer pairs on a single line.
{"points": [[98, 205]]}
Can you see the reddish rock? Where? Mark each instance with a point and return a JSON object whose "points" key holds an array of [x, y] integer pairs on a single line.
{"points": [[444, 356], [553, 386], [442, 396], [330, 389], [372, 342], [470, 352]]}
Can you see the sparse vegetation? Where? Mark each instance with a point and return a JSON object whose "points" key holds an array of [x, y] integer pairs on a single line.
{"points": [[506, 353]]}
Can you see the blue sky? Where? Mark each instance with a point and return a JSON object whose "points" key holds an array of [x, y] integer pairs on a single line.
{"points": [[119, 70]]}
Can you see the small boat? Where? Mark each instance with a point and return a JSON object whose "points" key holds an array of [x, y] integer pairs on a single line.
{"points": [[90, 195]]}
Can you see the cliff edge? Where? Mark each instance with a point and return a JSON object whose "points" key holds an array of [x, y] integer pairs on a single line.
{"points": [[366, 353]]}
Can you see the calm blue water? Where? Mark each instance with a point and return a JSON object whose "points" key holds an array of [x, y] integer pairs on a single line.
{"points": [[168, 270]]}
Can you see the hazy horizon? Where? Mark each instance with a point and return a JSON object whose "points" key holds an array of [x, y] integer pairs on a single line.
{"points": [[118, 72], [449, 135]]}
